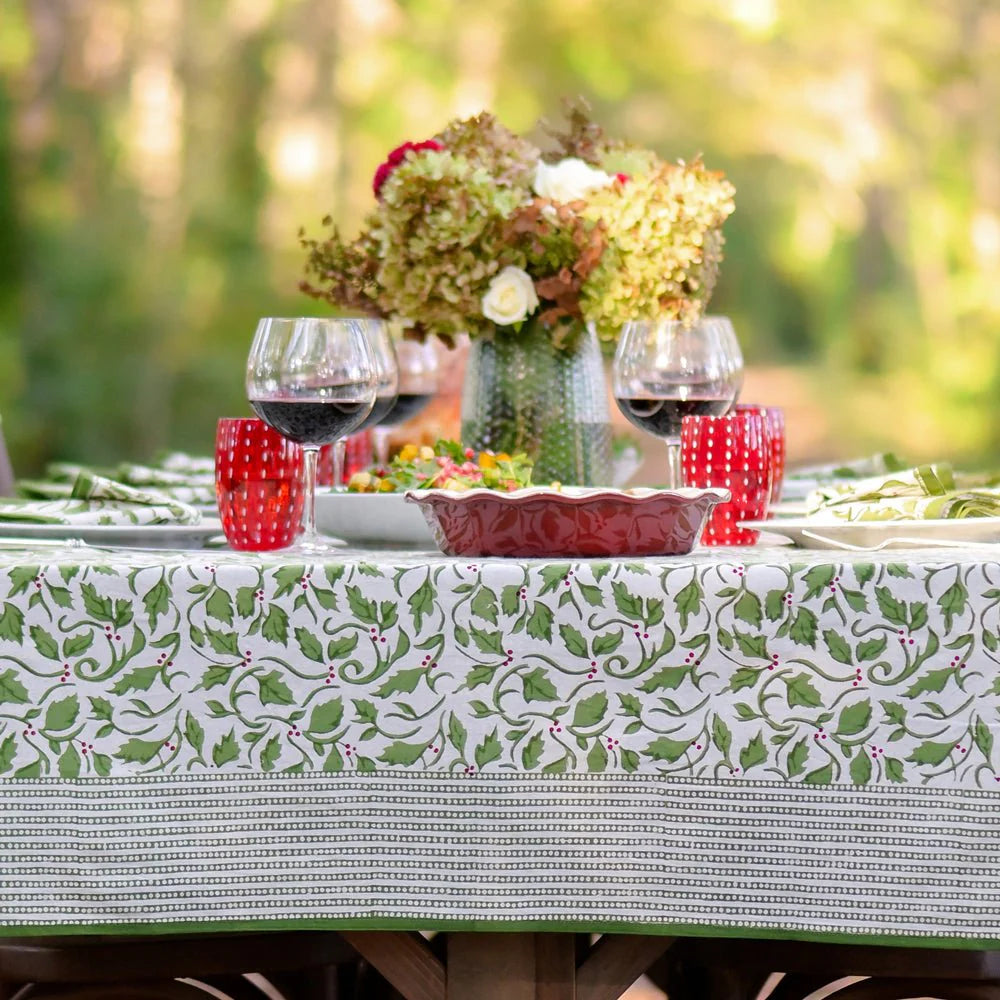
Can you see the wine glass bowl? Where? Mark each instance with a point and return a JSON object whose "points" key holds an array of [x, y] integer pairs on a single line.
{"points": [[665, 370], [313, 380]]}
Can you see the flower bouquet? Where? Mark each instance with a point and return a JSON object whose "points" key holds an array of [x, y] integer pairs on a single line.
{"points": [[536, 256]]}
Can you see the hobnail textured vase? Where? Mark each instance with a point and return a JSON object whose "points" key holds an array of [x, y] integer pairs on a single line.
{"points": [[523, 392]]}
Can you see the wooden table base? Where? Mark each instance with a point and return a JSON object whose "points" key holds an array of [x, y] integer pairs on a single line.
{"points": [[509, 966]]}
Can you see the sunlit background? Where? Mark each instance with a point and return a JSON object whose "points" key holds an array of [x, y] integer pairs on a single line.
{"points": [[157, 158]]}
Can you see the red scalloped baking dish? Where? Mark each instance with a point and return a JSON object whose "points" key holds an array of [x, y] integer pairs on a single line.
{"points": [[542, 522]]}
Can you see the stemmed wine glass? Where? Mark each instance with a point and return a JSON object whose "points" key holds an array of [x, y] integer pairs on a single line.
{"points": [[418, 383], [313, 381], [386, 385], [664, 371]]}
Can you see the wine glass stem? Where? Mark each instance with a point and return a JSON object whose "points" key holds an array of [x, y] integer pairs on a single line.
{"points": [[381, 436], [309, 458], [339, 451], [674, 478]]}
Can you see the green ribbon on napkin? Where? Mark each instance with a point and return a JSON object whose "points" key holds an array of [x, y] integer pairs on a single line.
{"points": [[96, 499], [922, 493]]}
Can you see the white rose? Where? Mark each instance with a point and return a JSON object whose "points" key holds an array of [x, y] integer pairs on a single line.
{"points": [[510, 297], [568, 180]]}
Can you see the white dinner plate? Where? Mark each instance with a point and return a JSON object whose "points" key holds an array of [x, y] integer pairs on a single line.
{"points": [[812, 534], [373, 519], [146, 536]]}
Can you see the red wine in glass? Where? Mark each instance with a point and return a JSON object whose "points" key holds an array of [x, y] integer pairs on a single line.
{"points": [[310, 422], [662, 415]]}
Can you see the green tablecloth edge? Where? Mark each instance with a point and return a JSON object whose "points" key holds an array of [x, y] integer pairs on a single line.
{"points": [[404, 924]]}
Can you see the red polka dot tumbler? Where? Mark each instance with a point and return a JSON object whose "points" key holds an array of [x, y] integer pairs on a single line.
{"points": [[775, 417], [732, 452], [258, 485]]}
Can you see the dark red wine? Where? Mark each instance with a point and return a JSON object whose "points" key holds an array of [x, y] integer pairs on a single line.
{"points": [[310, 421], [383, 407], [408, 405], [663, 416]]}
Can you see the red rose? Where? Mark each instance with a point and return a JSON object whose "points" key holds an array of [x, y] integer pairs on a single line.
{"points": [[396, 157], [623, 178]]}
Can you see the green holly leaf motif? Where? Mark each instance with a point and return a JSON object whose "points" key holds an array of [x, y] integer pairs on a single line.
{"points": [[982, 736], [224, 642], [748, 609], [774, 604], [630, 705], [488, 642], [219, 605], [800, 691], [215, 675], [337, 649], [21, 577], [156, 601], [743, 677], [797, 757], [487, 751], [404, 681], [754, 753], [334, 761], [952, 602], [745, 712], [722, 737], [538, 687], [607, 643], [484, 605], [590, 711], [990, 641], [246, 602], [752, 645], [594, 596], [688, 602], [871, 649], [818, 579], [194, 733], [226, 750], [11, 689], [893, 769], [933, 680], [11, 623], [854, 718], [930, 752], [559, 766], [123, 613], [366, 711], [69, 762], [552, 575], [597, 759], [44, 642], [97, 607], [275, 626], [855, 599], [270, 754], [74, 645], [32, 770], [136, 751], [725, 638], [821, 776], [626, 603], [362, 609], [327, 716], [311, 647], [574, 641], [272, 690], [669, 678], [918, 615], [286, 578], [457, 733], [898, 570], [61, 714], [864, 573], [540, 623], [892, 610], [532, 752], [388, 614], [139, 679], [804, 626], [665, 749], [510, 599], [8, 751], [894, 712], [837, 647]]}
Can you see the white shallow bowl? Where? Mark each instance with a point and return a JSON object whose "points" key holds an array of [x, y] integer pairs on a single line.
{"points": [[373, 519]]}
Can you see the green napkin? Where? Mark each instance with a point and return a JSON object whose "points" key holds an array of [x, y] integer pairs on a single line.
{"points": [[97, 500], [922, 493]]}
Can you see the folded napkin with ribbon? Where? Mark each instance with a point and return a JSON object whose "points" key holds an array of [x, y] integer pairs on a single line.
{"points": [[178, 476], [923, 493], [94, 499]]}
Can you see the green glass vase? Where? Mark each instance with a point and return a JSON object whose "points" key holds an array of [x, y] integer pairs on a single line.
{"points": [[525, 393]]}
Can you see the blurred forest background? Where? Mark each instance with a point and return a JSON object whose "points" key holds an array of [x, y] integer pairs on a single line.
{"points": [[158, 156]]}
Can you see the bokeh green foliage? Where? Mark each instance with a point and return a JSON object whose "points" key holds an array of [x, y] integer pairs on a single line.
{"points": [[157, 159]]}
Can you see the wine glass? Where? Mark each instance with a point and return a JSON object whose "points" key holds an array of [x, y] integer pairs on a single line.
{"points": [[313, 381], [664, 371], [418, 383], [386, 385]]}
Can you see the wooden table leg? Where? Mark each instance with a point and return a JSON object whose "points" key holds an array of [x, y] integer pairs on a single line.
{"points": [[404, 958], [555, 966], [615, 962], [491, 966]]}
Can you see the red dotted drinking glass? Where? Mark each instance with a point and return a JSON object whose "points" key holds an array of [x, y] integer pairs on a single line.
{"points": [[732, 452], [258, 484], [775, 417]]}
